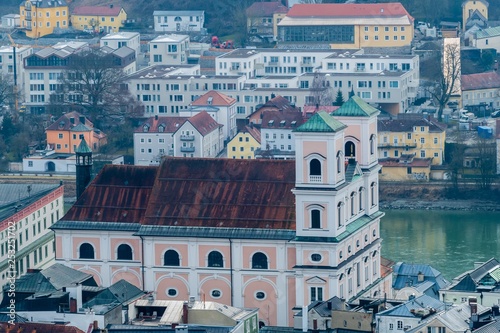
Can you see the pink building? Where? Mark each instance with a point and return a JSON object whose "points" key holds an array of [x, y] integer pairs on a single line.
{"points": [[272, 234]]}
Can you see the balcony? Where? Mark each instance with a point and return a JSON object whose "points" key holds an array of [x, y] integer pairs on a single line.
{"points": [[274, 63], [397, 145], [315, 179], [187, 137], [28, 18], [187, 149]]}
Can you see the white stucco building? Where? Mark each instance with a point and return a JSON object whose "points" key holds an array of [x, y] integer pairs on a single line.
{"points": [[169, 50], [179, 21], [118, 39]]}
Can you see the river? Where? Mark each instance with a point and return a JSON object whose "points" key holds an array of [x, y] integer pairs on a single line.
{"points": [[450, 241]]}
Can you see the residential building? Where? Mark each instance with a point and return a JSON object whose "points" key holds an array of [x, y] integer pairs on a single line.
{"points": [[66, 133], [261, 20], [169, 50], [106, 19], [192, 314], [481, 89], [473, 10], [7, 64], [44, 70], [461, 318], [154, 139], [38, 327], [205, 228], [41, 17], [319, 314], [277, 134], [416, 280], [480, 282], [220, 107], [58, 290], [410, 145], [488, 38], [179, 21], [409, 314], [244, 144], [276, 103], [27, 213], [119, 39], [348, 26], [11, 21], [199, 136]]}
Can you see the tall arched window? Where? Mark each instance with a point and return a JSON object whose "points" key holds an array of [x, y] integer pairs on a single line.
{"points": [[315, 170], [215, 259], [353, 203], [372, 144], [171, 258], [340, 216], [259, 261], [315, 219], [349, 149], [340, 162], [361, 202], [373, 192], [124, 252], [86, 251]]}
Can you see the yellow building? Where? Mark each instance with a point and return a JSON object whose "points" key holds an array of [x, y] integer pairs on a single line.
{"points": [[98, 18], [474, 10], [40, 17], [244, 144], [410, 146], [348, 25]]}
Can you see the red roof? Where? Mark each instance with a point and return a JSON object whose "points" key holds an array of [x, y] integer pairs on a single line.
{"points": [[227, 193], [97, 10], [171, 124], [204, 123], [68, 121], [37, 327], [260, 9], [282, 119], [214, 98], [390, 9], [253, 131], [488, 80]]}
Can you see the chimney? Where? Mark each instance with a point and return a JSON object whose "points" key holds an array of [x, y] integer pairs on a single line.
{"points": [[111, 6], [72, 120], [473, 305], [420, 277], [411, 297], [82, 120], [156, 117], [317, 106], [495, 309], [185, 313], [329, 305]]}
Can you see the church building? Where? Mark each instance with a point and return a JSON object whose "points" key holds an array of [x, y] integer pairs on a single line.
{"points": [[267, 234]]}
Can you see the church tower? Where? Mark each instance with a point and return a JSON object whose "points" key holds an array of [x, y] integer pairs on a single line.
{"points": [[83, 167], [336, 195]]}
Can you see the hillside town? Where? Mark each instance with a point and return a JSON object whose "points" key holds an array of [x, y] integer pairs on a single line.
{"points": [[161, 178]]}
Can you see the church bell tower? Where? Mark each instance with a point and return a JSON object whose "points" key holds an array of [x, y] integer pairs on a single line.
{"points": [[83, 167]]}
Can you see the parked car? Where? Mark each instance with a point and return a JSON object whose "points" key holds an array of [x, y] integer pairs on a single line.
{"points": [[495, 114]]}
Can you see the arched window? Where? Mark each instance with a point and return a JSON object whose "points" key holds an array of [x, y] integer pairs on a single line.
{"points": [[124, 252], [315, 219], [177, 19], [87, 251], [215, 259], [161, 128], [259, 261], [145, 128], [315, 170], [171, 258], [372, 144], [373, 188], [353, 203], [340, 164], [340, 216], [361, 202], [349, 149]]}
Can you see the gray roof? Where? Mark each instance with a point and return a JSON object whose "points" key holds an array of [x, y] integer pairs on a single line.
{"points": [[178, 12], [410, 308], [322, 307], [60, 275]]}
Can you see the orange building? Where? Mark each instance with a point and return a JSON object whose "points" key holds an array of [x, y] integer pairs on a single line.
{"points": [[65, 134]]}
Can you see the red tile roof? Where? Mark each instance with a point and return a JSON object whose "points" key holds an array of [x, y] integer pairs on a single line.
{"points": [[282, 119], [217, 99], [488, 80], [171, 124], [253, 131], [119, 193], [38, 328], [97, 10], [261, 9], [280, 103], [204, 123], [223, 192], [64, 122], [406, 124], [390, 9]]}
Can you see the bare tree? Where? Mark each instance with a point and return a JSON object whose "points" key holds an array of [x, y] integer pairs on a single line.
{"points": [[7, 91], [486, 162], [321, 91], [447, 80], [455, 164], [95, 85]]}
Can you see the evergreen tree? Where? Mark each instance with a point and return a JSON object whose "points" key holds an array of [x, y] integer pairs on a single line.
{"points": [[339, 99]]}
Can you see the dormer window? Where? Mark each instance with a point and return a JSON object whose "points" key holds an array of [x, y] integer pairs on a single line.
{"points": [[271, 123], [294, 123], [210, 100], [282, 123], [161, 128], [145, 128]]}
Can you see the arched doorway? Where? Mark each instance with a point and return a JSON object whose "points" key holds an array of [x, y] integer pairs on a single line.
{"points": [[350, 149], [50, 167]]}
